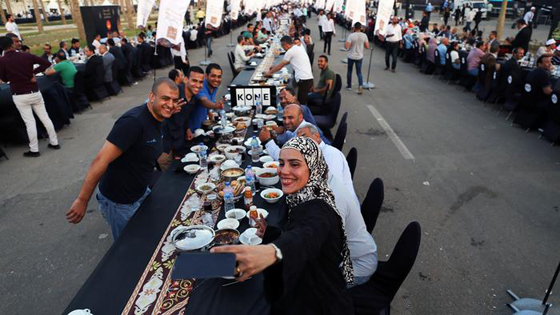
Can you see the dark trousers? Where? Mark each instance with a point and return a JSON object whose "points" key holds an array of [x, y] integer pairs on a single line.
{"points": [[320, 32], [391, 50], [328, 39], [303, 87]]}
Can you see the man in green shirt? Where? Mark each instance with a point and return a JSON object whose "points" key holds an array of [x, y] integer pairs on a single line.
{"points": [[325, 86], [65, 68], [248, 34]]}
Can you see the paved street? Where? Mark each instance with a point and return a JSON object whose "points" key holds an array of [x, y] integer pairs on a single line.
{"points": [[486, 194]]}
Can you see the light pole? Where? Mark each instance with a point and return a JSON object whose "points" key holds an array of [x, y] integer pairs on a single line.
{"points": [[502, 19]]}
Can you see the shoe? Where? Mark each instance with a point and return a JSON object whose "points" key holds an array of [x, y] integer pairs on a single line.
{"points": [[393, 70], [386, 68], [349, 88], [31, 154], [55, 147], [360, 90]]}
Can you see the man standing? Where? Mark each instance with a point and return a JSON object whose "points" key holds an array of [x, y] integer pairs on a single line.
{"points": [[393, 40], [108, 60], [175, 130], [297, 57], [97, 41], [323, 89], [11, 26], [268, 23], [523, 37], [65, 68], [355, 44], [528, 17], [125, 164], [17, 68], [425, 22], [321, 18], [206, 98]]}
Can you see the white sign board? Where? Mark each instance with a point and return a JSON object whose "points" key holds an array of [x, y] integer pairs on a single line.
{"points": [[383, 16], [356, 11], [249, 96], [144, 9], [235, 6], [170, 20], [214, 11]]}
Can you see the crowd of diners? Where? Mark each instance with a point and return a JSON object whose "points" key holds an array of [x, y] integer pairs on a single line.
{"points": [[324, 248]]}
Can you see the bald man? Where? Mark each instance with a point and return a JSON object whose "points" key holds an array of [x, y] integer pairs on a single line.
{"points": [[293, 120]]}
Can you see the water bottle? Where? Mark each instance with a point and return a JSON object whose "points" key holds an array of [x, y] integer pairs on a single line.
{"points": [[223, 117], [255, 150], [280, 114], [250, 178], [203, 160], [228, 197], [258, 108]]}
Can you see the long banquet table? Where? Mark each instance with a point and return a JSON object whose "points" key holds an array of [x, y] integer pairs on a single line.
{"points": [[134, 275]]}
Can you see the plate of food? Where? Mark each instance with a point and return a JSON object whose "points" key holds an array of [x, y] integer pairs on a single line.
{"points": [[217, 158], [192, 168], [205, 188], [228, 224], [272, 195], [198, 148], [236, 214], [237, 185], [226, 236], [271, 164], [267, 176]]}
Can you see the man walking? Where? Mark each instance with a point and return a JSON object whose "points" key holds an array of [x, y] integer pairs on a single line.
{"points": [[355, 44], [125, 164], [393, 39], [11, 26], [17, 68]]}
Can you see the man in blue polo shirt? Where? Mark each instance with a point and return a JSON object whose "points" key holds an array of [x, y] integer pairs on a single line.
{"points": [[206, 98], [125, 164]]}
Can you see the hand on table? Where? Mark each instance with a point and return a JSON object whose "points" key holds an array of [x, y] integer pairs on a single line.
{"points": [[77, 211], [251, 259], [264, 134]]}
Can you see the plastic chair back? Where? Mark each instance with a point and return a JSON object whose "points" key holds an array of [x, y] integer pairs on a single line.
{"points": [[372, 203], [352, 160], [340, 136]]}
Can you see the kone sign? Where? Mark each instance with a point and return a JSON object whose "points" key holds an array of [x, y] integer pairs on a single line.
{"points": [[250, 95]]}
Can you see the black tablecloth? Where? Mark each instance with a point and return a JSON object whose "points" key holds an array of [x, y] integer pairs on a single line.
{"points": [[110, 286], [57, 103]]}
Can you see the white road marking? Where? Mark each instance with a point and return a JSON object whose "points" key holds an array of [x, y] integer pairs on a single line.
{"points": [[391, 133]]}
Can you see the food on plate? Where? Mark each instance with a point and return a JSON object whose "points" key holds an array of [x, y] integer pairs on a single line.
{"points": [[253, 214], [237, 185], [233, 172], [272, 195], [267, 175], [226, 236]]}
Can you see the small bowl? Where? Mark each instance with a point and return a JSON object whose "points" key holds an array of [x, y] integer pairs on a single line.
{"points": [[242, 110], [271, 164], [198, 148], [217, 158], [233, 150], [268, 191], [267, 181], [246, 120], [222, 147], [223, 131], [226, 236], [228, 164], [199, 132], [205, 188], [192, 169], [236, 214], [265, 159], [232, 174], [228, 224]]}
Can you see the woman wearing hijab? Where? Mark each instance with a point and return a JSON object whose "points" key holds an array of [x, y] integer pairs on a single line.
{"points": [[306, 263]]}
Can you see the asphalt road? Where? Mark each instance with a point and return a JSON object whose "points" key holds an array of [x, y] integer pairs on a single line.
{"points": [[486, 195]]}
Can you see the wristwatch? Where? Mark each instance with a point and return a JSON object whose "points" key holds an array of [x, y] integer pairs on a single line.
{"points": [[278, 252]]}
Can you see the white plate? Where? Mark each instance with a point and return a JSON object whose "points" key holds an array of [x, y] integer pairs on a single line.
{"points": [[271, 164], [228, 224], [217, 158], [222, 147], [269, 190], [222, 131], [266, 158], [237, 214]]}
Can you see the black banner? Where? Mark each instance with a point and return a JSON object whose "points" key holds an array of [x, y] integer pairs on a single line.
{"points": [[100, 20]]}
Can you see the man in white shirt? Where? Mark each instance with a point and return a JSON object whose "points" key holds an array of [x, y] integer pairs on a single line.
{"points": [[97, 42], [528, 17], [11, 26], [321, 18], [338, 166], [293, 121], [297, 57], [267, 23], [240, 56], [328, 32], [393, 40]]}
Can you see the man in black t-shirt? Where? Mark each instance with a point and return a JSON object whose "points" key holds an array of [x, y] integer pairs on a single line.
{"points": [[539, 82], [175, 129], [125, 164]]}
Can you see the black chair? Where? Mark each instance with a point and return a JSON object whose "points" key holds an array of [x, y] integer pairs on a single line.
{"points": [[376, 295], [326, 122], [483, 92], [551, 129], [439, 68], [233, 70], [352, 160], [77, 95], [495, 94], [327, 104], [531, 111], [113, 87], [467, 80], [3, 154], [372, 203], [340, 136]]}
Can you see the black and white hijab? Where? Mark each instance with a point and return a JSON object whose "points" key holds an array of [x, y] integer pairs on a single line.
{"points": [[317, 188]]}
